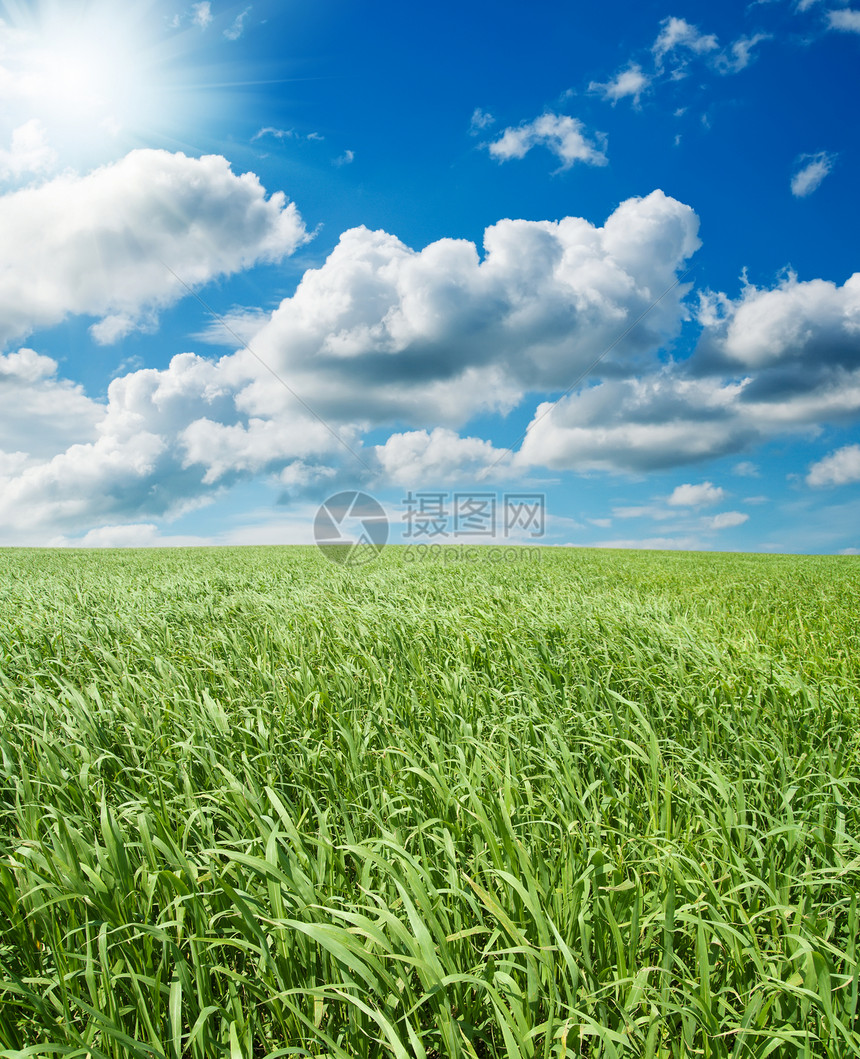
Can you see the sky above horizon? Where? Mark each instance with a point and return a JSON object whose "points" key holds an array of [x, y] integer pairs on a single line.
{"points": [[253, 255]]}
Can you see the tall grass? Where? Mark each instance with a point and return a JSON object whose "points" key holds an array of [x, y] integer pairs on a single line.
{"points": [[252, 804]]}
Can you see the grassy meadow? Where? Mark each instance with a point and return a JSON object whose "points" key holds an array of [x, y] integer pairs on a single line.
{"points": [[254, 804]]}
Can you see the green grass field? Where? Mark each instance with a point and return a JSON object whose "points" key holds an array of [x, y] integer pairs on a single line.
{"points": [[589, 804]]}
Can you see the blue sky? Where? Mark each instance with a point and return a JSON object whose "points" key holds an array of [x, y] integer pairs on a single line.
{"points": [[255, 254]]}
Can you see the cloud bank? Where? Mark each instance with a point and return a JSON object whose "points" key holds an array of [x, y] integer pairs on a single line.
{"points": [[418, 342], [380, 334]]}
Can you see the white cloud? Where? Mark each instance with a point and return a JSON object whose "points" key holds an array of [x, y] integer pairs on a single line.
{"points": [[846, 20], [347, 158], [384, 334], [678, 34], [28, 153], [660, 420], [746, 469], [740, 54], [104, 244], [668, 418], [379, 333], [480, 120], [653, 511], [839, 468], [679, 41], [433, 336], [419, 457], [659, 544], [297, 528], [133, 535], [41, 415], [237, 27], [700, 495], [562, 135], [234, 328], [165, 439], [726, 520], [202, 14], [814, 323], [26, 366], [270, 130], [628, 82], [223, 450], [814, 168]]}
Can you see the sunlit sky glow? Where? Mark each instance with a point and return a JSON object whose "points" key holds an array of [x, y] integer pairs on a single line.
{"points": [[434, 228]]}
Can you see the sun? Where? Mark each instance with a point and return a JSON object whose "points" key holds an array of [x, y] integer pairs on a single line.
{"points": [[98, 75]]}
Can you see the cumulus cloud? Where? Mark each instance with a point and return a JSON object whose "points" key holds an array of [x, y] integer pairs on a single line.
{"points": [[810, 326], [700, 495], [559, 133], [419, 457], [438, 334], [165, 439], [379, 334], [813, 169], [846, 20], [41, 415], [25, 366], [28, 154], [105, 244], [657, 421], [668, 418], [839, 468], [631, 81], [384, 335], [222, 450]]}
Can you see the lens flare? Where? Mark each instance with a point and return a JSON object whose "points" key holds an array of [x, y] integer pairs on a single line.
{"points": [[98, 78]]}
